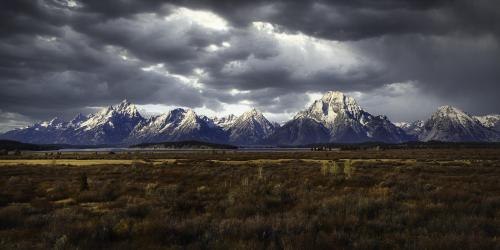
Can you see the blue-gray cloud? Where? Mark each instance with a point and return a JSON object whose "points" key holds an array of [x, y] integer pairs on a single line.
{"points": [[60, 57]]}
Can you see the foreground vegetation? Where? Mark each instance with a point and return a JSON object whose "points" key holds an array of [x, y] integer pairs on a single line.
{"points": [[410, 199]]}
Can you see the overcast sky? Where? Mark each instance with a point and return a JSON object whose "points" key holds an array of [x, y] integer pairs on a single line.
{"points": [[398, 58]]}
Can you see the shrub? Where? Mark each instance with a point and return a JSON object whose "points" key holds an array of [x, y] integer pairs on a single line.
{"points": [[138, 210], [336, 169], [108, 192], [62, 243], [10, 217], [167, 195], [324, 168], [84, 185], [150, 189], [348, 170], [60, 191], [41, 204], [4, 200]]}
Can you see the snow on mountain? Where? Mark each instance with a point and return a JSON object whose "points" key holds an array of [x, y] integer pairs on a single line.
{"points": [[108, 126], [333, 118], [452, 124], [210, 121], [346, 121], [411, 128], [333, 104], [47, 132], [111, 125], [122, 113], [175, 125], [249, 128], [77, 120], [490, 121], [225, 122]]}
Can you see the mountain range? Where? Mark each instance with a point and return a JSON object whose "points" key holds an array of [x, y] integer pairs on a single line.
{"points": [[335, 117]]}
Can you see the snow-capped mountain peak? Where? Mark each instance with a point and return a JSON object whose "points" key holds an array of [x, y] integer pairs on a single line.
{"points": [[411, 128], [490, 121], [177, 124], [56, 122], [402, 124], [345, 121], [125, 107], [250, 127], [447, 109], [122, 112], [405, 125], [252, 114], [335, 117], [452, 124], [100, 118], [190, 119], [225, 122], [454, 114], [332, 105]]}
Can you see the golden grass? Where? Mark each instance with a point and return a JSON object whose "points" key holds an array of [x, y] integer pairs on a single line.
{"points": [[402, 199], [91, 162], [73, 162]]}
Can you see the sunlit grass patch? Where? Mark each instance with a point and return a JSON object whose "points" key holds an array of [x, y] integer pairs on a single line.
{"points": [[86, 162]]}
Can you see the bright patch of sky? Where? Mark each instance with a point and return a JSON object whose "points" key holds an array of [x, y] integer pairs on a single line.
{"points": [[203, 18]]}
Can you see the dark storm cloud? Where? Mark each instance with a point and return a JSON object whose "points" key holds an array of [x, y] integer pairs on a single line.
{"points": [[462, 71], [44, 76], [450, 47], [347, 20], [58, 58]]}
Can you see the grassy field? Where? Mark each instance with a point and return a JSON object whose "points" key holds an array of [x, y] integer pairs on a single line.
{"points": [[389, 199]]}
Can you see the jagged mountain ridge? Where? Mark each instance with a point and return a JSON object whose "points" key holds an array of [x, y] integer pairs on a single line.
{"points": [[491, 121], [176, 125], [452, 124], [250, 128], [333, 118], [123, 124], [111, 125], [411, 128], [224, 122], [344, 121]]}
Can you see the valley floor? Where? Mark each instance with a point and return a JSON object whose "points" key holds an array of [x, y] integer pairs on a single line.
{"points": [[389, 199]]}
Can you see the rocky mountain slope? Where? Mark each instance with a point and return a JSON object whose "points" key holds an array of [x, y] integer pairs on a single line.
{"points": [[250, 128], [490, 121], [452, 124], [342, 119], [333, 118], [176, 125], [111, 125], [411, 128]]}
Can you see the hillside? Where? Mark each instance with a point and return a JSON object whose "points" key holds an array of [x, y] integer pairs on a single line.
{"points": [[10, 145]]}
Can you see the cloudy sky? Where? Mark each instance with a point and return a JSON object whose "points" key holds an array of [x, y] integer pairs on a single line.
{"points": [[396, 57]]}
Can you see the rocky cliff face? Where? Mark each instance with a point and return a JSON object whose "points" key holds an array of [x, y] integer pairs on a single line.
{"points": [[335, 117], [452, 124], [345, 121]]}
